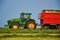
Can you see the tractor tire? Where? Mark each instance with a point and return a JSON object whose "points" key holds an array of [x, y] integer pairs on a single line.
{"points": [[30, 25], [14, 26]]}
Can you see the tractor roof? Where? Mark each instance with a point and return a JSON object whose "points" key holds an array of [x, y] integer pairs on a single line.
{"points": [[26, 13]]}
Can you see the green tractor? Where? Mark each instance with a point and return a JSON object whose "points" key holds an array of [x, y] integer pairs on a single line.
{"points": [[24, 21]]}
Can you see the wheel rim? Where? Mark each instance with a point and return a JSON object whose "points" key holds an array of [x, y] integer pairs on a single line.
{"points": [[31, 25], [15, 26]]}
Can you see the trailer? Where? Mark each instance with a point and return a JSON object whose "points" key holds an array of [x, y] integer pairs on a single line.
{"points": [[50, 18]]}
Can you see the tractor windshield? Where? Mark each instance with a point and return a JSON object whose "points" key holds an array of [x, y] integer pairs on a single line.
{"points": [[25, 15]]}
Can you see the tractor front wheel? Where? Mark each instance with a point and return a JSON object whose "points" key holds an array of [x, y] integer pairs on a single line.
{"points": [[14, 26]]}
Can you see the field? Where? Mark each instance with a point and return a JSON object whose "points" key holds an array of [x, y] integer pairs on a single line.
{"points": [[29, 34]]}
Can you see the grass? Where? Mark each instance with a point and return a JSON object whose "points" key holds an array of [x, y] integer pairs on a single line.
{"points": [[28, 38], [30, 34], [6, 30]]}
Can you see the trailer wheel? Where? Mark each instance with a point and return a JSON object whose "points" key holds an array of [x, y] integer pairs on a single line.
{"points": [[58, 27], [53, 27], [44, 26], [30, 25]]}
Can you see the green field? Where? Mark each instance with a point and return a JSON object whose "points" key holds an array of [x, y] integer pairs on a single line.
{"points": [[28, 38], [29, 34]]}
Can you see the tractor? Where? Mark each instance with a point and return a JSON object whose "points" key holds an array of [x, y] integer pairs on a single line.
{"points": [[24, 21]]}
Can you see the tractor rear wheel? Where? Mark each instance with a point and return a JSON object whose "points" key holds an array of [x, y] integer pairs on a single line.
{"points": [[30, 25], [14, 26]]}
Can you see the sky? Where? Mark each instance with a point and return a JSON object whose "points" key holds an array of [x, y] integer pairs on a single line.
{"points": [[10, 9]]}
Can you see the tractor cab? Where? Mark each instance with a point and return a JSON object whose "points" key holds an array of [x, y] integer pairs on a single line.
{"points": [[25, 15]]}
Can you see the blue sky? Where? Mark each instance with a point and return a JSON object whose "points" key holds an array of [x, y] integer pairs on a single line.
{"points": [[12, 8]]}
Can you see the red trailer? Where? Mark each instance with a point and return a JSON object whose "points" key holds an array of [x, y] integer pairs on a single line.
{"points": [[50, 18]]}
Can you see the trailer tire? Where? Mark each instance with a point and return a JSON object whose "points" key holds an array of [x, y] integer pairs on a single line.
{"points": [[45, 26], [58, 27]]}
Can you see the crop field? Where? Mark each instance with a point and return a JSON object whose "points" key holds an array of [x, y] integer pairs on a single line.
{"points": [[29, 34]]}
